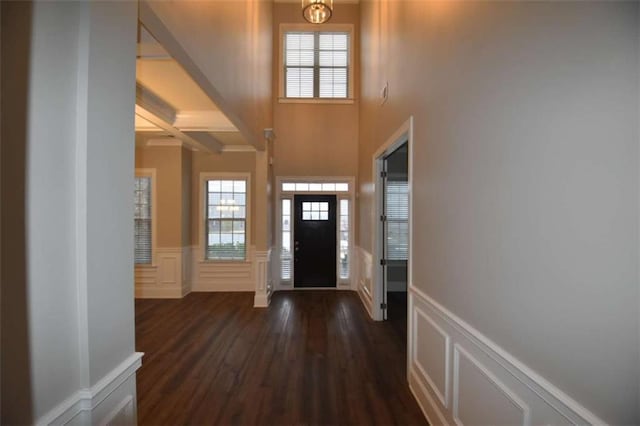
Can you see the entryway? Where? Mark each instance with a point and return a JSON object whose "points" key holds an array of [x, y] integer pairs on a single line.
{"points": [[314, 233], [314, 250], [392, 276]]}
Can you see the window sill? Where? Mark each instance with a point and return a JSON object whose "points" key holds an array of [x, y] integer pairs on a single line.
{"points": [[146, 265], [219, 261], [346, 101]]}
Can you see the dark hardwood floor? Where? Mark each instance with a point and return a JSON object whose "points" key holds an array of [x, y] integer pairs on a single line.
{"points": [[312, 357]]}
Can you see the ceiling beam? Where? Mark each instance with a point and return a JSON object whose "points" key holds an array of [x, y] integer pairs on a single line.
{"points": [[161, 33], [210, 145]]}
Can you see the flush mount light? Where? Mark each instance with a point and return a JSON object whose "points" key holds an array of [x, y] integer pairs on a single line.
{"points": [[317, 11]]}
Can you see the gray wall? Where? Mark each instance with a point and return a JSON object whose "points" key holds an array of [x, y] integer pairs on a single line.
{"points": [[526, 176], [68, 83]]}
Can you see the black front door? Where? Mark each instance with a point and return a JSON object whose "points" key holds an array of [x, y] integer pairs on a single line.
{"points": [[314, 247]]}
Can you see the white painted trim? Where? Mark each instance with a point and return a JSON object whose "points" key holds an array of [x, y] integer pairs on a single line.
{"points": [[425, 400], [404, 134], [238, 148], [347, 28], [459, 350], [89, 398], [263, 286], [205, 176], [168, 278], [553, 397], [212, 276], [163, 141], [443, 397], [128, 401], [203, 121], [343, 284], [347, 101]]}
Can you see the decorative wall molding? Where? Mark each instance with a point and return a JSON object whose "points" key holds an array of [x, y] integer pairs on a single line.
{"points": [[362, 268], [165, 279], [442, 390], [222, 276], [523, 415], [487, 380], [263, 286], [104, 401]]}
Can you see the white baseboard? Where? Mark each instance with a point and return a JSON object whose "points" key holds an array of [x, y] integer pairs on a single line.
{"points": [[455, 372], [261, 300], [112, 397]]}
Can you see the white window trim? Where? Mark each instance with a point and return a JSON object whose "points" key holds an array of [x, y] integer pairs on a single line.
{"points": [[342, 284], [202, 194], [347, 28], [151, 173]]}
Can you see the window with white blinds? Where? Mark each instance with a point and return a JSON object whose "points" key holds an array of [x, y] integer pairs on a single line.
{"points": [[142, 220], [226, 219], [316, 65], [397, 223]]}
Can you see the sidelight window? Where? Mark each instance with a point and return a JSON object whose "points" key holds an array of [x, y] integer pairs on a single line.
{"points": [[344, 239], [285, 254]]}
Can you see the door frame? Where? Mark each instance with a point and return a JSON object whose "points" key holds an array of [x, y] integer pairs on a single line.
{"points": [[341, 284], [404, 134]]}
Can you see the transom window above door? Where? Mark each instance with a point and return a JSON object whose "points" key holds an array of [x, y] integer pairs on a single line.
{"points": [[315, 187]]}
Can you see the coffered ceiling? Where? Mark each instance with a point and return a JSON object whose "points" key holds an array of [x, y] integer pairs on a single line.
{"points": [[169, 103]]}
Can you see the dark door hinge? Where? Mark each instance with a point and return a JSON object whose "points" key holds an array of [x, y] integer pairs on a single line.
{"points": [[383, 218], [383, 306], [383, 262], [383, 174]]}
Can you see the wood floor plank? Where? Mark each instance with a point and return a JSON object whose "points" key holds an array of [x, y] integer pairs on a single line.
{"points": [[311, 358]]}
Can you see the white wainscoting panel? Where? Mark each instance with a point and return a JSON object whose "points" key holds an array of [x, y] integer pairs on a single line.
{"points": [[498, 405], [461, 377], [364, 284], [164, 279], [187, 266], [263, 285], [223, 276], [431, 353], [112, 400]]}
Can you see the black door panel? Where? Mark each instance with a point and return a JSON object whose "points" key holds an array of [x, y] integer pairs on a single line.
{"points": [[314, 247]]}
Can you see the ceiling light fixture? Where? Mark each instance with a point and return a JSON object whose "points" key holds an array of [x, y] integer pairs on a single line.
{"points": [[317, 11]]}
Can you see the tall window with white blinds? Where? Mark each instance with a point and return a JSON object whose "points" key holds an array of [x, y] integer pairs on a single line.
{"points": [[142, 220], [397, 223], [316, 65], [226, 219]]}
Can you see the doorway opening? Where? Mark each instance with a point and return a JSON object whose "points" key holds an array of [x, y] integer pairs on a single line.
{"points": [[314, 233], [392, 231], [314, 246], [395, 231]]}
